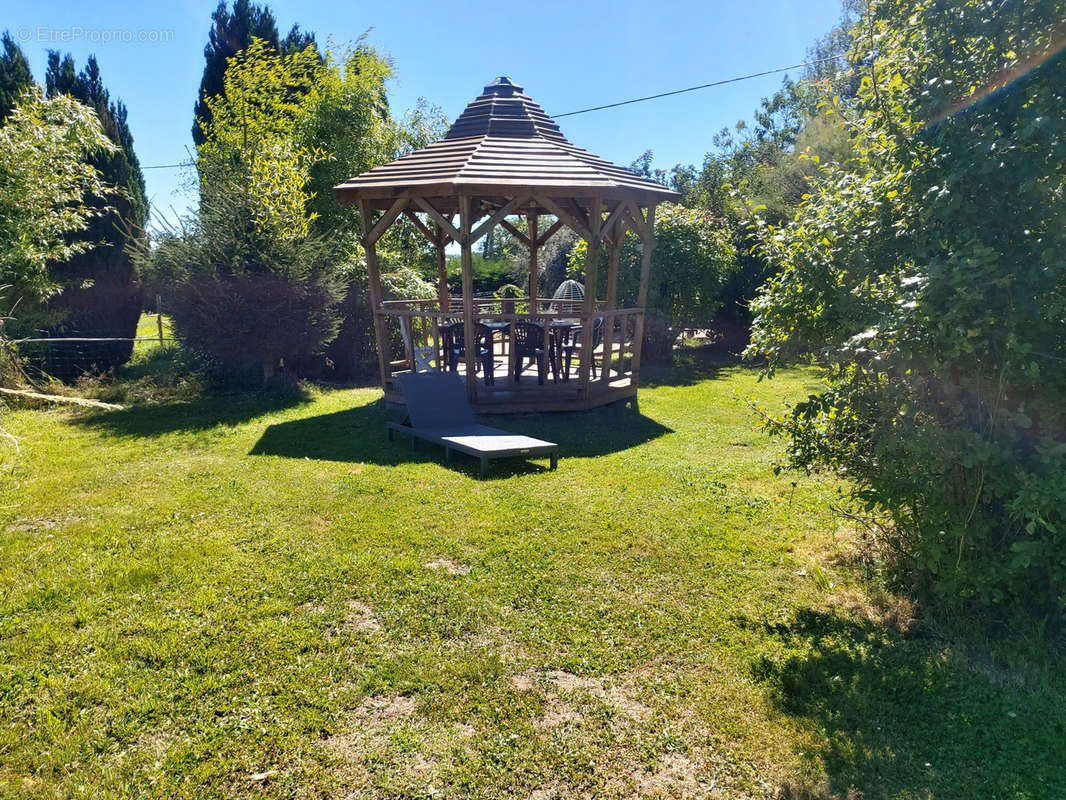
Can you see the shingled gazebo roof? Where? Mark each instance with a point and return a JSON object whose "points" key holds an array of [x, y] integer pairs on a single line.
{"points": [[502, 143]]}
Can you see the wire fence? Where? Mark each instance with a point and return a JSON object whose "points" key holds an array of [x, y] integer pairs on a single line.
{"points": [[71, 356]]}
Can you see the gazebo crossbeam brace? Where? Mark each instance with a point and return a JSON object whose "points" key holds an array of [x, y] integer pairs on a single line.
{"points": [[495, 219], [575, 224], [543, 238], [439, 218], [516, 233], [385, 221], [433, 237]]}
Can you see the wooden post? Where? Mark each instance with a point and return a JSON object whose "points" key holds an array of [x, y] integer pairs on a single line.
{"points": [[442, 270], [533, 277], [531, 243], [443, 298], [592, 263], [159, 316], [642, 294], [469, 328], [614, 248], [374, 274]]}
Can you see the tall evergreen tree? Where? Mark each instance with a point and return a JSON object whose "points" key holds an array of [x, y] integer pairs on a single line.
{"points": [[230, 33], [102, 293], [15, 75]]}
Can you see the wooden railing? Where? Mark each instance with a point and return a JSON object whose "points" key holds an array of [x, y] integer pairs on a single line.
{"points": [[419, 324]]}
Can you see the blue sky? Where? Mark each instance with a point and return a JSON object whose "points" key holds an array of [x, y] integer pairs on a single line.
{"points": [[567, 55]]}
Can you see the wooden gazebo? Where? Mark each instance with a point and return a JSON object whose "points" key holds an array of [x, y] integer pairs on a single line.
{"points": [[504, 157]]}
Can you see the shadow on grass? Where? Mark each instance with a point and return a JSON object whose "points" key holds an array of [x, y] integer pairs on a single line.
{"points": [[162, 361], [903, 716], [689, 366], [193, 415], [358, 435]]}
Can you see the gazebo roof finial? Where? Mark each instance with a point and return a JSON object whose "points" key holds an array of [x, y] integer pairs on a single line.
{"points": [[504, 110], [503, 87]]}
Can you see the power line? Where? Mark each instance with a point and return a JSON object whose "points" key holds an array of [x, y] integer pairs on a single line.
{"points": [[639, 99], [701, 86]]}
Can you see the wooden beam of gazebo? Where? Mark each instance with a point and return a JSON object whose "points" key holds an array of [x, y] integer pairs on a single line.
{"points": [[505, 157]]}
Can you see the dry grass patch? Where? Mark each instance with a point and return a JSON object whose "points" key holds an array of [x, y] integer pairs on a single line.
{"points": [[370, 726], [569, 682], [523, 682], [449, 566], [674, 776], [41, 524], [558, 714], [565, 691], [360, 617]]}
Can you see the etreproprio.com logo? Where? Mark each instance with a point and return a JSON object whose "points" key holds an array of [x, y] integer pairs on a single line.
{"points": [[76, 33]]}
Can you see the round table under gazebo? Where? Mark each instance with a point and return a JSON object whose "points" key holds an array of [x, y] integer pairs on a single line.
{"points": [[504, 157]]}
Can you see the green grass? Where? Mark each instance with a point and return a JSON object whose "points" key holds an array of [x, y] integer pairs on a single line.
{"points": [[157, 371], [202, 590], [148, 325]]}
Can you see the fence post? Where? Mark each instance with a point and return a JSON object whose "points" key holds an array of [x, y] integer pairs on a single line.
{"points": [[159, 316]]}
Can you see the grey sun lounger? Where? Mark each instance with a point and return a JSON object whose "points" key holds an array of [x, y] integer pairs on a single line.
{"points": [[439, 412]]}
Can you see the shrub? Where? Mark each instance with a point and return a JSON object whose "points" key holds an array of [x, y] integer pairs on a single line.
{"points": [[250, 326], [693, 259], [487, 274], [926, 277], [507, 294], [249, 301], [47, 185]]}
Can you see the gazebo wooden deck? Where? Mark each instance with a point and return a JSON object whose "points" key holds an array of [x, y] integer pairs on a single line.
{"points": [[505, 157]]}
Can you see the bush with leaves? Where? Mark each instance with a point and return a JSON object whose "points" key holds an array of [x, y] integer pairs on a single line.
{"points": [[926, 277], [693, 259], [101, 294], [252, 287], [348, 118], [554, 260], [46, 182], [248, 300]]}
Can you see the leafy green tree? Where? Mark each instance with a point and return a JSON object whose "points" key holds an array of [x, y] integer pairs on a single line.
{"points": [[15, 75], [350, 119], [252, 288], [693, 258], [926, 278], [252, 138], [768, 163], [46, 181], [101, 294], [554, 260], [231, 32]]}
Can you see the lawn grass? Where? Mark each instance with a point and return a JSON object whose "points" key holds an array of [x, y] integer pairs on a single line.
{"points": [[245, 596]]}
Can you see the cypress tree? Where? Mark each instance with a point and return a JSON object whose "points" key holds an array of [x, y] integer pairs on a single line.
{"points": [[230, 33], [15, 75], [102, 292]]}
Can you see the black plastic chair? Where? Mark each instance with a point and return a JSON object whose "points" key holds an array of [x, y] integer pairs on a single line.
{"points": [[483, 342], [529, 343], [573, 342]]}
